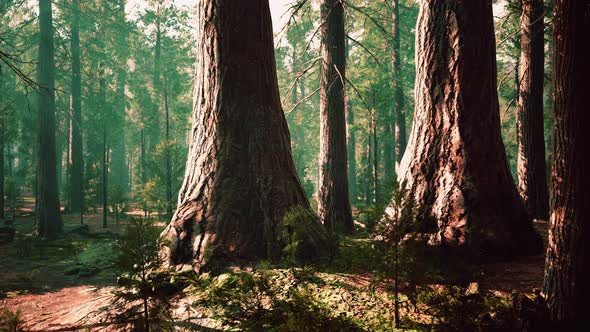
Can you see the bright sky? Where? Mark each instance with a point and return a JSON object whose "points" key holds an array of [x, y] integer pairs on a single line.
{"points": [[277, 9]]}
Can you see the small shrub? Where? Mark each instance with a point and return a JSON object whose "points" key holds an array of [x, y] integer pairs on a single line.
{"points": [[143, 291], [261, 302], [456, 308], [392, 228], [119, 201], [300, 244], [24, 246], [10, 321]]}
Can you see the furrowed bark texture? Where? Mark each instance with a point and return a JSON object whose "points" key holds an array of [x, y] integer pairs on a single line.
{"points": [[532, 170], [49, 222], [567, 270], [334, 203], [455, 166], [240, 178]]}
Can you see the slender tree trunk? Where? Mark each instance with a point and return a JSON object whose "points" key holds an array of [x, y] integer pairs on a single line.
{"points": [[334, 203], [142, 146], [351, 145], [375, 158], [105, 191], [367, 171], [154, 134], [296, 122], [75, 162], [456, 167], [105, 116], [398, 95], [130, 161], [2, 133], [158, 52], [351, 151], [240, 178], [532, 172], [168, 156], [48, 218], [118, 165], [567, 270], [12, 187]]}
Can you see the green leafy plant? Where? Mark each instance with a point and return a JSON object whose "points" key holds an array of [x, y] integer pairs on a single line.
{"points": [[143, 292], [396, 223], [457, 308], [262, 302], [11, 321], [119, 202], [295, 236]]}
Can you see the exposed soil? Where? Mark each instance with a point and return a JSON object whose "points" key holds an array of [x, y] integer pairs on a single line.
{"points": [[51, 301], [521, 275]]}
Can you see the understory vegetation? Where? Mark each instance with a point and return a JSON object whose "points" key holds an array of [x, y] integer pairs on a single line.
{"points": [[352, 290]]}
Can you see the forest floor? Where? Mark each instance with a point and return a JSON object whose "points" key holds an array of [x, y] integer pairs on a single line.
{"points": [[54, 291]]}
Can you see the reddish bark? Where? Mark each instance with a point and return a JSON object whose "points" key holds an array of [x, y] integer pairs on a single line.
{"points": [[334, 203], [455, 167], [240, 178], [532, 171], [567, 270]]}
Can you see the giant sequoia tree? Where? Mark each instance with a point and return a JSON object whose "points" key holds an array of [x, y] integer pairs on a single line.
{"points": [[334, 203], [240, 178], [532, 172], [567, 270], [49, 221], [455, 166]]}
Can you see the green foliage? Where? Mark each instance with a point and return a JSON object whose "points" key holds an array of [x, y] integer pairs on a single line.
{"points": [[24, 246], [153, 194], [370, 215], [119, 201], [398, 218], [100, 254], [11, 321], [146, 196], [138, 246], [262, 302], [455, 308], [143, 292], [298, 239]]}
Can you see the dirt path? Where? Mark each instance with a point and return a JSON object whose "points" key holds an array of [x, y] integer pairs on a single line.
{"points": [[35, 283], [75, 307], [521, 275]]}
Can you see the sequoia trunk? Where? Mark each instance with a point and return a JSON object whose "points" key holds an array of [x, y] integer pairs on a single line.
{"points": [[532, 172], [240, 178], [567, 270], [334, 203], [455, 166], [49, 222]]}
